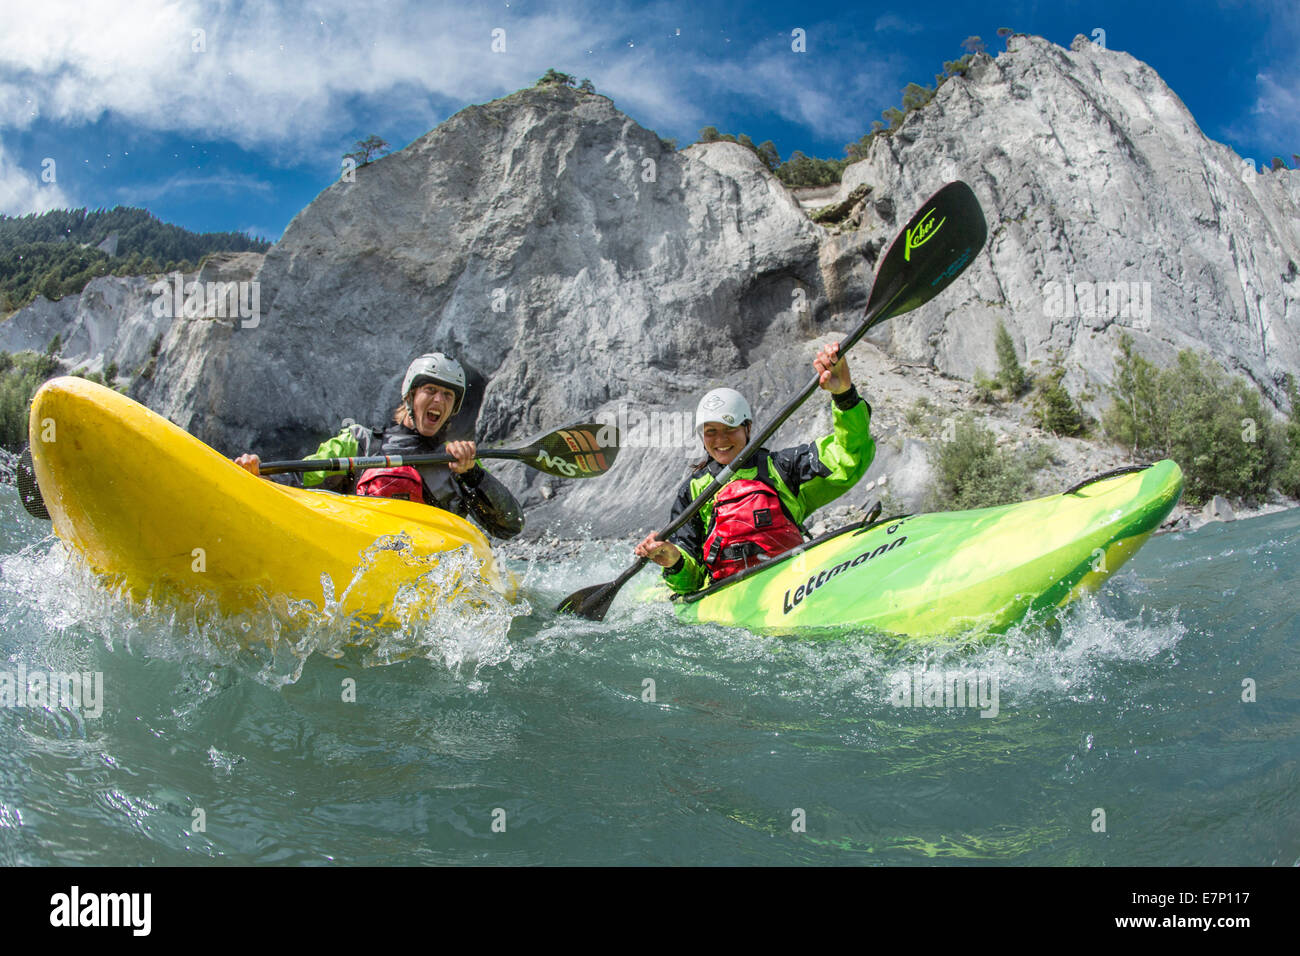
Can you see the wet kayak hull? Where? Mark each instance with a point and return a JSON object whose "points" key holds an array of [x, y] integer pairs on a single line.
{"points": [[933, 575]]}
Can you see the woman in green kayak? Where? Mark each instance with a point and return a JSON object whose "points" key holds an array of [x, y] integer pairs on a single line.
{"points": [[759, 512], [433, 391]]}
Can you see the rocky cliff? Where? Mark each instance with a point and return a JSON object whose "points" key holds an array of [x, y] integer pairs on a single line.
{"points": [[1094, 175], [584, 267]]}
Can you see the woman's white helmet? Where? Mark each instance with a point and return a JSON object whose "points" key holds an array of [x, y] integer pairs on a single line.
{"points": [[439, 369], [725, 405]]}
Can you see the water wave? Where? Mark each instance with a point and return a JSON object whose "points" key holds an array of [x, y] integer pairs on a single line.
{"points": [[445, 612]]}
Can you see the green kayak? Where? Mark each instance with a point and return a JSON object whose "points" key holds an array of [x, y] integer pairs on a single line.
{"points": [[933, 575]]}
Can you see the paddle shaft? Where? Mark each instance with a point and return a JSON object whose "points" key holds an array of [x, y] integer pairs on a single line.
{"points": [[386, 461]]}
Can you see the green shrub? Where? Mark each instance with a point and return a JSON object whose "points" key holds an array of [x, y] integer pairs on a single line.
{"points": [[20, 376], [1137, 416], [1219, 431], [918, 415], [801, 170], [970, 471], [1055, 409], [553, 77], [985, 388], [957, 67], [1217, 428], [915, 96], [1288, 474], [1011, 376]]}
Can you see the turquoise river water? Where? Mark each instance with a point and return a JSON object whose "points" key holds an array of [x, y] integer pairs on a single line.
{"points": [[1156, 723]]}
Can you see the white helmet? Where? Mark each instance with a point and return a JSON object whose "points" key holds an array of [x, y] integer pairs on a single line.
{"points": [[725, 405], [439, 369]]}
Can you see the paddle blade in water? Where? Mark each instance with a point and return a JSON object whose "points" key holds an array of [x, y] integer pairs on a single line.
{"points": [[28, 491], [589, 602]]}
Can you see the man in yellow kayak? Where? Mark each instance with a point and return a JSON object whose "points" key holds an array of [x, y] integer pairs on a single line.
{"points": [[759, 513], [432, 393]]}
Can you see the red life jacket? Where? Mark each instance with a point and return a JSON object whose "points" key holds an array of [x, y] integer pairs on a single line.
{"points": [[404, 482], [749, 525]]}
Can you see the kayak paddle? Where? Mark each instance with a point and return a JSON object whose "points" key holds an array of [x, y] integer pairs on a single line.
{"points": [[935, 247], [28, 493], [574, 451]]}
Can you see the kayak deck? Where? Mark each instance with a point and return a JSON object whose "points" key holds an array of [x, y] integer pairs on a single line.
{"points": [[932, 575]]}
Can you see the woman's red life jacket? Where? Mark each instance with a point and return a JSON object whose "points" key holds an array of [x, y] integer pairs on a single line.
{"points": [[403, 482], [749, 525]]}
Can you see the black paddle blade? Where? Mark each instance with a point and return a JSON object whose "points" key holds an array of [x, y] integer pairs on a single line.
{"points": [[589, 602], [585, 450], [936, 246], [29, 493]]}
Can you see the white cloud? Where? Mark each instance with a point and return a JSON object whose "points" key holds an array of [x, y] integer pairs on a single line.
{"points": [[296, 80], [892, 21], [1274, 122], [265, 74], [227, 182], [22, 191], [260, 232], [1277, 110], [825, 101]]}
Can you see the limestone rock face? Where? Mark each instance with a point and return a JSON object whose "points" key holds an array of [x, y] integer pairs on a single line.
{"points": [[584, 268], [545, 239], [111, 321], [1093, 173]]}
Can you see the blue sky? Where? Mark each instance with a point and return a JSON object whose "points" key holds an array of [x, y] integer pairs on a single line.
{"points": [[239, 126]]}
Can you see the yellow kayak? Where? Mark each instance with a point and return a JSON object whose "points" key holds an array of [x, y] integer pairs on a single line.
{"points": [[150, 505]]}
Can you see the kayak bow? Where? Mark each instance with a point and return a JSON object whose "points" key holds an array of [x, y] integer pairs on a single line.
{"points": [[148, 504]]}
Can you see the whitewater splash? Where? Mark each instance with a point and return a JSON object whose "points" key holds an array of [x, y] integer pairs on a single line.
{"points": [[445, 613], [1051, 656]]}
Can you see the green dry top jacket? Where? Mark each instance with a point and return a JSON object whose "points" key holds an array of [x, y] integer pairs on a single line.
{"points": [[806, 477]]}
